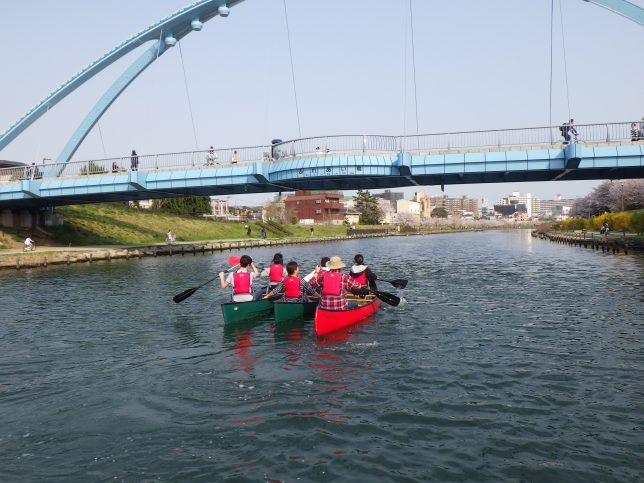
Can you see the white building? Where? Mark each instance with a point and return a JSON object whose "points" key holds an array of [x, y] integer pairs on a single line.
{"points": [[532, 204], [408, 206]]}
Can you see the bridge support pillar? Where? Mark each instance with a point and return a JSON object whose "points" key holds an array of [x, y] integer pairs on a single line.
{"points": [[27, 219], [52, 219], [6, 218]]}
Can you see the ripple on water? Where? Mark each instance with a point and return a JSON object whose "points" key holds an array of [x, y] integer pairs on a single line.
{"points": [[510, 360]]}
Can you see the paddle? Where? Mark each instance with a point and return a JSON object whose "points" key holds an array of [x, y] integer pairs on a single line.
{"points": [[234, 261], [387, 298], [398, 283]]}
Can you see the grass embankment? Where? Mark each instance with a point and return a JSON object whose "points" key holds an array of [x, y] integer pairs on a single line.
{"points": [[113, 225]]}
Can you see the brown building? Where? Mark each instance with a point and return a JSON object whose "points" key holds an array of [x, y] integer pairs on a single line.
{"points": [[455, 205], [316, 206]]}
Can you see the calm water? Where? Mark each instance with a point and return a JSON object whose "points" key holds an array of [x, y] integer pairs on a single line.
{"points": [[512, 360]]}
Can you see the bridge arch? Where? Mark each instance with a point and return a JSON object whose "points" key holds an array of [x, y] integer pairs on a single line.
{"points": [[165, 34]]}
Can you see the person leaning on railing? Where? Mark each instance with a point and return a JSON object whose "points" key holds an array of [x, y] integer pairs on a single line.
{"points": [[635, 132]]}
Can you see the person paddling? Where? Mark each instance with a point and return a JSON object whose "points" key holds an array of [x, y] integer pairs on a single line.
{"points": [[294, 288], [276, 272], [242, 280], [321, 266], [335, 286], [362, 273]]}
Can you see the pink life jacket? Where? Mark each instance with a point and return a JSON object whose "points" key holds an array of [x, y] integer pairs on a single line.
{"points": [[292, 288], [331, 283], [241, 280], [277, 273]]}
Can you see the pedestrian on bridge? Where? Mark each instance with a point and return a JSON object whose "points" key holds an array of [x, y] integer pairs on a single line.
{"points": [[567, 129], [134, 161]]}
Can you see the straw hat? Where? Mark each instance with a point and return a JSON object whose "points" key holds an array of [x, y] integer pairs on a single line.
{"points": [[335, 263]]}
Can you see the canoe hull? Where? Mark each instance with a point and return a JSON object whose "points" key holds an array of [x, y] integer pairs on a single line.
{"points": [[239, 311], [331, 320], [285, 311]]}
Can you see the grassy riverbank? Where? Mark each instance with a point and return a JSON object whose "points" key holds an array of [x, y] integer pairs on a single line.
{"points": [[112, 225], [107, 224]]}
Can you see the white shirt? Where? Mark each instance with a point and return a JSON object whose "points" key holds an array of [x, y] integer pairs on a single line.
{"points": [[29, 241], [310, 276]]}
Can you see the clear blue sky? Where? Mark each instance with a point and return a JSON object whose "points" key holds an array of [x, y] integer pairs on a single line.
{"points": [[480, 65]]}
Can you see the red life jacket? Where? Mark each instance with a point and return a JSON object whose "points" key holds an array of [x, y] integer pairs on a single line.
{"points": [[277, 273], [292, 288], [241, 280], [331, 283], [362, 278]]}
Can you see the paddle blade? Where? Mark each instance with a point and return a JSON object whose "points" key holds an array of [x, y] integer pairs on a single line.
{"points": [[398, 283], [184, 295], [388, 298], [233, 260]]}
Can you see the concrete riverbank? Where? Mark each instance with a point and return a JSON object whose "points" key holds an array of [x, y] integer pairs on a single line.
{"points": [[44, 257]]}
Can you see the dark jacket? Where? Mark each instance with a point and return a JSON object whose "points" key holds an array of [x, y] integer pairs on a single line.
{"points": [[357, 270]]}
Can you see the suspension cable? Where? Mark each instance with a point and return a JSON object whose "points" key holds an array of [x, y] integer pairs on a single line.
{"points": [[185, 80], [413, 59], [552, 14], [290, 52], [563, 41], [406, 27], [100, 134]]}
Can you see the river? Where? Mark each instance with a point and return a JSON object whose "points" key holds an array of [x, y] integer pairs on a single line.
{"points": [[511, 359]]}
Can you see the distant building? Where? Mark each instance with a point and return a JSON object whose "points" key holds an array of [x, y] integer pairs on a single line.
{"points": [[219, 207], [509, 209], [408, 206], [532, 204], [390, 196], [316, 207], [388, 211], [555, 208], [455, 205], [351, 217], [425, 204]]}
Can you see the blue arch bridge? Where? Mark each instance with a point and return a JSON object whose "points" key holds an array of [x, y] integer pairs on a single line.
{"points": [[602, 151]]}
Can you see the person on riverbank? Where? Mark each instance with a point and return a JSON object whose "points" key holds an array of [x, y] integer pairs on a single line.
{"points": [[262, 233], [294, 288], [362, 273], [170, 238], [276, 272], [335, 286], [30, 245], [311, 231], [242, 280]]}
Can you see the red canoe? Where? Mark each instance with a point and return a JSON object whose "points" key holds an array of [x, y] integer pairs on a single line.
{"points": [[330, 320]]}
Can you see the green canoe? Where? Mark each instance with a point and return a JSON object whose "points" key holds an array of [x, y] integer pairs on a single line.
{"points": [[290, 311], [239, 311]]}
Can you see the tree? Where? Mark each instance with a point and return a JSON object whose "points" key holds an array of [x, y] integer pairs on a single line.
{"points": [[188, 205], [274, 211], [367, 205], [439, 213]]}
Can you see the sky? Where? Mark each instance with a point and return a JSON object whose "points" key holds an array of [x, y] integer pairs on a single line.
{"points": [[479, 65]]}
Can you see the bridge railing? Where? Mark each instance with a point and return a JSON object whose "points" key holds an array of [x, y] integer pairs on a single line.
{"points": [[184, 160], [351, 144], [539, 136]]}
